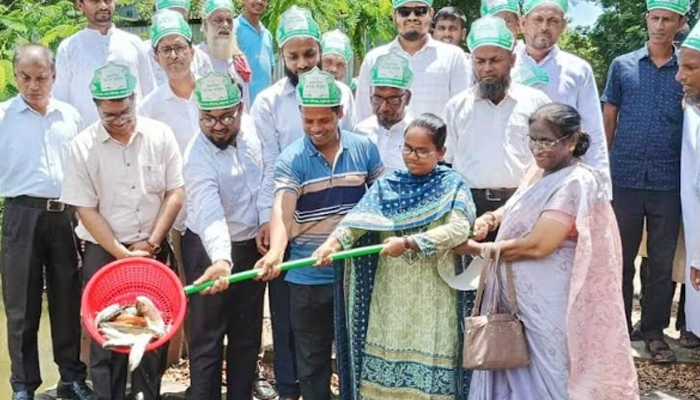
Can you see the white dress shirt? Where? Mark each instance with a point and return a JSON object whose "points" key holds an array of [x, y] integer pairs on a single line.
{"points": [[225, 67], [81, 54], [488, 144], [278, 121], [571, 82], [201, 64], [34, 147], [440, 71], [388, 141], [181, 115], [222, 190]]}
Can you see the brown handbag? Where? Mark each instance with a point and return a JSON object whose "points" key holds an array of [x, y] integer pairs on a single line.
{"points": [[494, 341]]}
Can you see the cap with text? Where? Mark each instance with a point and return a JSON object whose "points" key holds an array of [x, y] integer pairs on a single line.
{"points": [[166, 4], [677, 6], [392, 70], [297, 22], [216, 91], [530, 5], [318, 89], [692, 41], [490, 31], [336, 42], [402, 3], [168, 22], [213, 5], [113, 81], [493, 7]]}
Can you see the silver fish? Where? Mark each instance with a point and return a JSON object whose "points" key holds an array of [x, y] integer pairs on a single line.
{"points": [[146, 308], [107, 314]]}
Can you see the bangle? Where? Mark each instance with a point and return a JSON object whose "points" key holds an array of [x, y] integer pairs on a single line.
{"points": [[407, 244]]}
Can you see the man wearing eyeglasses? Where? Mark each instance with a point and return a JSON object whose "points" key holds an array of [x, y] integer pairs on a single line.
{"points": [[440, 70], [487, 125], [124, 176], [391, 81], [223, 170]]}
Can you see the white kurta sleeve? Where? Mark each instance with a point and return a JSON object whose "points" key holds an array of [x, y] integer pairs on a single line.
{"points": [[461, 78], [451, 141], [363, 107], [64, 74], [264, 118]]}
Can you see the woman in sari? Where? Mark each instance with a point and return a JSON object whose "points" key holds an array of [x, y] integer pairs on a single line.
{"points": [[560, 234], [398, 323]]}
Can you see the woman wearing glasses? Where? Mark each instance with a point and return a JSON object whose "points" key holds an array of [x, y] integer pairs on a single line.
{"points": [[560, 234], [401, 339]]}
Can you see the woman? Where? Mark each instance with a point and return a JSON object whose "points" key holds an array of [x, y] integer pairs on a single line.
{"points": [[399, 337], [560, 234]]}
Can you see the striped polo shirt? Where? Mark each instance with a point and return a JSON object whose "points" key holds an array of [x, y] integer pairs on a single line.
{"points": [[325, 193]]}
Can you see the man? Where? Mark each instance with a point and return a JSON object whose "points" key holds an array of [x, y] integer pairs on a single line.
{"points": [[124, 175], [337, 54], [319, 178], [450, 26], [440, 71], [201, 65], [279, 123], [569, 78], [689, 77], [256, 43], [223, 173], [391, 82], [644, 124], [100, 42], [221, 45], [37, 234], [487, 125]]}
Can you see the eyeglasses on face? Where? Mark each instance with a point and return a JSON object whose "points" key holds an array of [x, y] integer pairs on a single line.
{"points": [[393, 100], [545, 144], [406, 12], [227, 120], [178, 50], [420, 153]]}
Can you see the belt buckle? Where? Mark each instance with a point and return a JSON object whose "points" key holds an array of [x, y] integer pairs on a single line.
{"points": [[55, 206], [492, 198]]}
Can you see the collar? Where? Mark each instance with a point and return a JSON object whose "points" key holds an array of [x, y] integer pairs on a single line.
{"points": [[512, 93], [19, 105], [95, 32], [401, 125], [213, 150], [552, 54], [168, 94], [643, 53], [242, 19], [287, 87], [313, 151], [103, 136], [396, 45]]}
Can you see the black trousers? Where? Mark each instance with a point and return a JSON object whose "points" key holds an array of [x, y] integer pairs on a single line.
{"points": [[312, 323], [34, 239], [662, 210], [283, 339], [485, 204], [109, 370], [236, 314]]}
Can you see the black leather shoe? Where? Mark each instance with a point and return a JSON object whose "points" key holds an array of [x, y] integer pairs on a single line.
{"points": [[77, 390], [24, 395]]}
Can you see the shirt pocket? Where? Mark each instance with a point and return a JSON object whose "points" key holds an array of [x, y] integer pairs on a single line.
{"points": [[153, 178]]}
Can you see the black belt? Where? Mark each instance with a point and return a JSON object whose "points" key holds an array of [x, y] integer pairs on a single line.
{"points": [[494, 195], [244, 243], [50, 205]]}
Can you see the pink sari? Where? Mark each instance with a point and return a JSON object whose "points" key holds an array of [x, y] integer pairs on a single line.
{"points": [[571, 301]]}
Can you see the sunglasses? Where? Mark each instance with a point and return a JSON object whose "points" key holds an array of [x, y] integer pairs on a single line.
{"points": [[406, 12]]}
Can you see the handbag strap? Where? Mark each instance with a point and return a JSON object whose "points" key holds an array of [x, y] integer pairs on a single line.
{"points": [[510, 282], [488, 251], [495, 263]]}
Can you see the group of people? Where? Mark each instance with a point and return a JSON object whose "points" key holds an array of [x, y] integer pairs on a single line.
{"points": [[194, 155]]}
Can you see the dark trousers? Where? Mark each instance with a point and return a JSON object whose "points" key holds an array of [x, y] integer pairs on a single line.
{"points": [[283, 339], [236, 314], [486, 203], [34, 239], [312, 322], [662, 211], [108, 369]]}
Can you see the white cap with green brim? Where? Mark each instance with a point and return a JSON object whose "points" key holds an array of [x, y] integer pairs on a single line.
{"points": [[528, 74], [168, 22], [113, 81], [493, 7], [391, 70], [400, 3], [318, 89], [677, 6], [213, 5], [530, 5], [692, 41], [166, 4], [490, 31], [297, 22], [336, 42], [216, 91]]}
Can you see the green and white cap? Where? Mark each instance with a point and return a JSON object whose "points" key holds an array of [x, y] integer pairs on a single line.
{"points": [[530, 5], [353, 83], [336, 42], [113, 81], [528, 74], [318, 89], [166, 4], [493, 7], [391, 70], [168, 22], [216, 91], [400, 3], [212, 5], [677, 6], [692, 41], [297, 22], [490, 31]]}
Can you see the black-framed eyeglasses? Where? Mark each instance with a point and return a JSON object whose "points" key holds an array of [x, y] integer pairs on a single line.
{"points": [[392, 101], [227, 120], [406, 12], [545, 144], [123, 116], [420, 153], [178, 50]]}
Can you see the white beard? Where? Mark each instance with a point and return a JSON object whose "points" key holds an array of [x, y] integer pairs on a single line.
{"points": [[221, 46]]}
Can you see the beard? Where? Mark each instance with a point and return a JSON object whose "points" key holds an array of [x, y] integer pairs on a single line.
{"points": [[494, 91], [692, 100], [221, 46], [293, 77], [412, 36]]}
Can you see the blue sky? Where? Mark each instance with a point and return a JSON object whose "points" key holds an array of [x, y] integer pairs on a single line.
{"points": [[584, 13]]}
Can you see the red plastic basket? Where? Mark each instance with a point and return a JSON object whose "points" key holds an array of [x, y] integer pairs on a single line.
{"points": [[122, 281]]}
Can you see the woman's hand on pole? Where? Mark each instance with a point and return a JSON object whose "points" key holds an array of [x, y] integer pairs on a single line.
{"points": [[393, 247]]}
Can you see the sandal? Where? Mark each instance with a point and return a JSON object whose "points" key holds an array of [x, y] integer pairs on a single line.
{"points": [[262, 389], [660, 351], [688, 340]]}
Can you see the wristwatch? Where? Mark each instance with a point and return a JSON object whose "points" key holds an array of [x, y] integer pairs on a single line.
{"points": [[407, 245]]}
